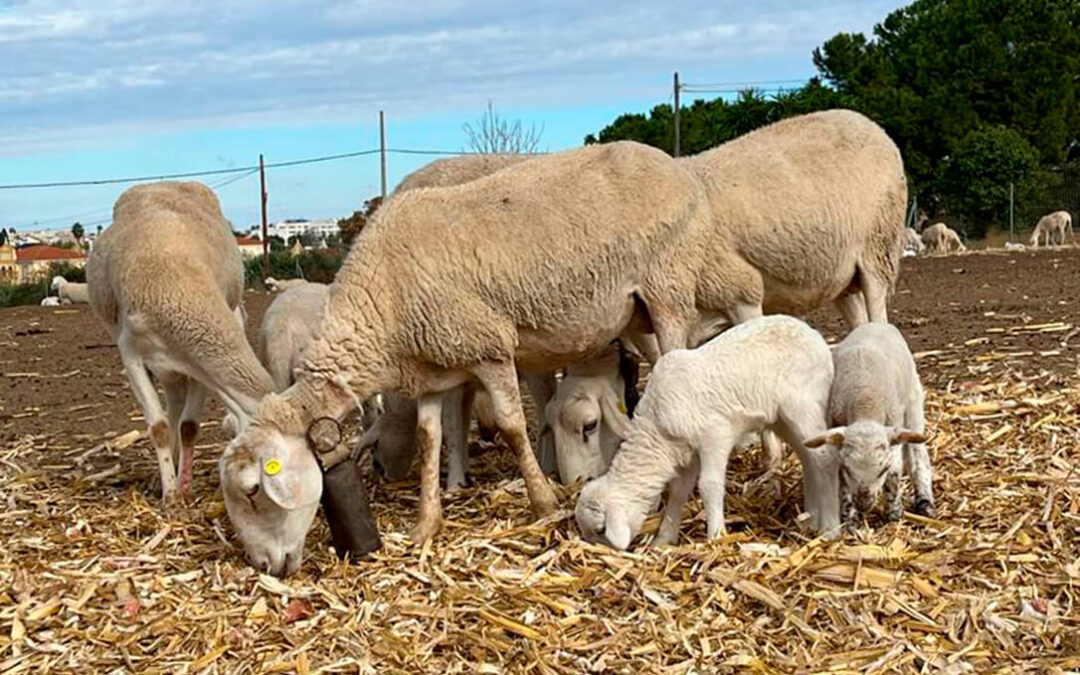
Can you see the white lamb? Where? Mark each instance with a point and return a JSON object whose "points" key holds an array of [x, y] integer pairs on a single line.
{"points": [[167, 280], [50, 301], [940, 239], [278, 285], [913, 243], [1052, 229], [70, 291], [875, 405], [773, 371]]}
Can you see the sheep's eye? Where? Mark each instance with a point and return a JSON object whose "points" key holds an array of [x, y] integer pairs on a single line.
{"points": [[590, 426]]}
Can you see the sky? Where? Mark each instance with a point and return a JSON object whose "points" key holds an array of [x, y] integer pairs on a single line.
{"points": [[118, 88]]}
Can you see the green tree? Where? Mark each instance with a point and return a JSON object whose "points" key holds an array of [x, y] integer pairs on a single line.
{"points": [[351, 226]]}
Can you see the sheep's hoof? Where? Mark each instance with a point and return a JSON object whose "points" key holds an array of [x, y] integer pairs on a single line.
{"points": [[458, 483], [925, 507], [544, 503], [425, 531], [666, 538]]}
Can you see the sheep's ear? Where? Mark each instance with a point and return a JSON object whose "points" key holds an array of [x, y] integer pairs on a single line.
{"points": [[291, 480], [617, 529], [834, 436], [615, 415], [898, 435]]}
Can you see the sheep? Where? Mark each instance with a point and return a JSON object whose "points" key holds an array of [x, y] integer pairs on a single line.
{"points": [[769, 372], [50, 301], [939, 239], [167, 281], [806, 210], [69, 291], [278, 285], [876, 404], [452, 171], [445, 285], [913, 242], [1052, 229]]}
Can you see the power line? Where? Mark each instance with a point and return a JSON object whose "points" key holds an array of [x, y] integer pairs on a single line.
{"points": [[728, 85]]}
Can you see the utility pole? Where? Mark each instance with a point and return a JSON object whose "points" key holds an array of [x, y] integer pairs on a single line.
{"points": [[677, 149], [382, 151], [265, 237], [1010, 211]]}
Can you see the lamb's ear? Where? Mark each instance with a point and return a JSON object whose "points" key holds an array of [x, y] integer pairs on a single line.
{"points": [[615, 414], [617, 529], [834, 437], [898, 435], [292, 479]]}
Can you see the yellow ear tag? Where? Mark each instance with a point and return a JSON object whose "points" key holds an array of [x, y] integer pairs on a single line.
{"points": [[621, 407], [272, 467]]}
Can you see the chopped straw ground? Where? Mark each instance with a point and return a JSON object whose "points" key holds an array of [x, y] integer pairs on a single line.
{"points": [[97, 579]]}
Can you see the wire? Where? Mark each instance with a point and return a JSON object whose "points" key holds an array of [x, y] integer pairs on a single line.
{"points": [[727, 85], [230, 181]]}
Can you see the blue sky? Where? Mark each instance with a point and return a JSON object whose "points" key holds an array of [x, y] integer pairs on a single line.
{"points": [[138, 87]]}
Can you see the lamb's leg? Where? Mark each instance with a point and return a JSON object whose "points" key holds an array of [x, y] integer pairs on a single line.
{"points": [[678, 491], [429, 443], [160, 433], [918, 462], [821, 471], [189, 430], [542, 389], [894, 505], [501, 382], [458, 408], [852, 307], [773, 452], [712, 479]]}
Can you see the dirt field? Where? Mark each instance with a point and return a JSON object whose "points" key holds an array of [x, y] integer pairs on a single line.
{"points": [[97, 578]]}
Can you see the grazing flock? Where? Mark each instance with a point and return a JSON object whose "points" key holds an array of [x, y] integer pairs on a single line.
{"points": [[482, 270]]}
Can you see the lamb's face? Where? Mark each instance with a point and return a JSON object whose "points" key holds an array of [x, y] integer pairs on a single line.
{"points": [[865, 457], [605, 520], [587, 427], [272, 486]]}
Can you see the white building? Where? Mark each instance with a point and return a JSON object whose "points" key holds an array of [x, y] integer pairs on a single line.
{"points": [[287, 229]]}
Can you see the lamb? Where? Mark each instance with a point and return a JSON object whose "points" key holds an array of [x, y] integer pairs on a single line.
{"points": [[913, 242], [50, 301], [1052, 229], [769, 372], [939, 239], [167, 281], [876, 404], [69, 291], [445, 285], [278, 285], [452, 171]]}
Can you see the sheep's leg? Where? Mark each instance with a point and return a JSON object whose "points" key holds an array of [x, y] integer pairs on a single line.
{"points": [[671, 335], [160, 433], [712, 479], [189, 431], [894, 506], [773, 454], [542, 388], [875, 293], [678, 492], [501, 382], [176, 388], [458, 409], [852, 307], [429, 442], [918, 462], [821, 471]]}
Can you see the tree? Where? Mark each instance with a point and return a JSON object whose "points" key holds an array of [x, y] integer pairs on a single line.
{"points": [[78, 232], [351, 226], [493, 134]]}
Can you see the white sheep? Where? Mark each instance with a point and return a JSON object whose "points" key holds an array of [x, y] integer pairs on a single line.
{"points": [[452, 171], [1014, 246], [1052, 229], [875, 406], [770, 372], [278, 285], [444, 285], [50, 301], [913, 242], [167, 280], [69, 291], [940, 239]]}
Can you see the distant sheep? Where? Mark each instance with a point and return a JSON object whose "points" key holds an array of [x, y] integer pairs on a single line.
{"points": [[940, 239], [913, 243], [70, 291], [1052, 229], [770, 372], [167, 280], [50, 301], [875, 406], [278, 285]]}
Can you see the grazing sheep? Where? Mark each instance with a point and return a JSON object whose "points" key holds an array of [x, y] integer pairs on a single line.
{"points": [[456, 171], [913, 242], [445, 285], [770, 372], [1052, 229], [69, 291], [940, 239], [167, 281], [876, 404], [50, 301], [806, 210], [278, 285]]}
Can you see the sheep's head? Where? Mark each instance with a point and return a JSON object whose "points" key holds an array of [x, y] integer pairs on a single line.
{"points": [[589, 421], [272, 486], [603, 518], [57, 281], [865, 454]]}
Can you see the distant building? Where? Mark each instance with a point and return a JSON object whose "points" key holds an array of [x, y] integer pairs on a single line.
{"points": [[33, 261], [9, 271], [249, 246], [286, 229]]}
